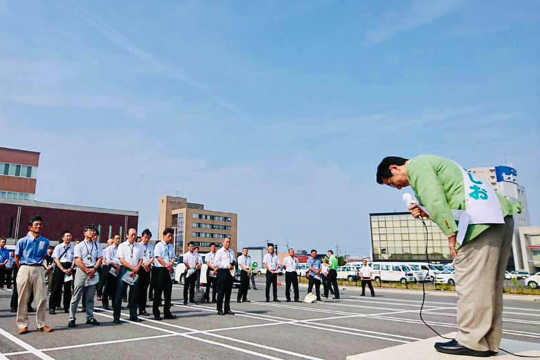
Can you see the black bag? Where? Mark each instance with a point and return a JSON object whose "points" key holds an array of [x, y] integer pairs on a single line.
{"points": [[200, 295]]}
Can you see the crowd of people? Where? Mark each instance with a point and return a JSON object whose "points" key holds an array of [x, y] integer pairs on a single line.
{"points": [[135, 271]]}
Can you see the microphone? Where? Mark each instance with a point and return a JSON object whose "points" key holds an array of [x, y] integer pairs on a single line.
{"points": [[408, 200]]}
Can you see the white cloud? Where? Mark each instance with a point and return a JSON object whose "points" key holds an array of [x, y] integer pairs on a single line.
{"points": [[418, 13]]}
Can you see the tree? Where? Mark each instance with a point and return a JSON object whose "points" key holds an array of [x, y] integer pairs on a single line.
{"points": [[341, 260]]}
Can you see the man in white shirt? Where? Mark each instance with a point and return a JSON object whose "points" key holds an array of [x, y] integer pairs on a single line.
{"points": [[88, 257], [130, 254], [270, 262], [244, 263], [114, 269], [191, 261], [162, 275], [63, 257], [290, 263], [211, 273], [366, 275], [146, 268], [225, 262], [103, 273]]}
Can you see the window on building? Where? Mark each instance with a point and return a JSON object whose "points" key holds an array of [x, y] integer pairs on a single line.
{"points": [[28, 171], [17, 170]]}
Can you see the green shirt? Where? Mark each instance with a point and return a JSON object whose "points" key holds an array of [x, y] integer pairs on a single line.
{"points": [[438, 185], [333, 262]]}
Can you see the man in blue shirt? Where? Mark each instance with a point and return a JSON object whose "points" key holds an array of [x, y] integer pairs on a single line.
{"points": [[4, 257], [30, 252], [314, 266]]}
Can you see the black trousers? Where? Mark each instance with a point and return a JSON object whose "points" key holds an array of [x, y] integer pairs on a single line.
{"points": [[368, 283], [189, 287], [121, 288], [211, 282], [3, 274], [332, 283], [291, 278], [9, 274], [103, 278], [317, 283], [58, 285], [271, 279], [109, 292], [244, 286], [144, 282], [15, 295], [162, 285], [224, 285]]}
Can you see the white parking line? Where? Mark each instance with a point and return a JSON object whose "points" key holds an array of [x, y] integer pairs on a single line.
{"points": [[25, 345]]}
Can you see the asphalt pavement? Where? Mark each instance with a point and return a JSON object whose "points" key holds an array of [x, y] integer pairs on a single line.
{"points": [[333, 329]]}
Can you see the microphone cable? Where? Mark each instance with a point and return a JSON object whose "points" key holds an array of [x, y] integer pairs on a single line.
{"points": [[424, 300]]}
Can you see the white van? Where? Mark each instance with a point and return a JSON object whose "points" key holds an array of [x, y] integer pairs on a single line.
{"points": [[394, 272], [430, 270]]}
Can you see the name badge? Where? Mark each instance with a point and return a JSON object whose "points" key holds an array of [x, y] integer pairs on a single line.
{"points": [[88, 260]]}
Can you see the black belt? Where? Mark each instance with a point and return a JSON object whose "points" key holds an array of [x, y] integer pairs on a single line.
{"points": [[32, 265]]}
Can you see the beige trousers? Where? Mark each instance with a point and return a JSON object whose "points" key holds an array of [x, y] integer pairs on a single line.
{"points": [[480, 268], [31, 279]]}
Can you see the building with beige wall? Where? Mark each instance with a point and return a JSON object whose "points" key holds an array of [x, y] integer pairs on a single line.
{"points": [[192, 222]]}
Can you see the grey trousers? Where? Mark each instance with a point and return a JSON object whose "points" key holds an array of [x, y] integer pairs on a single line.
{"points": [[80, 278], [480, 268]]}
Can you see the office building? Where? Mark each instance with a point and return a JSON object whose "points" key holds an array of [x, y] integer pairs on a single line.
{"points": [[503, 179], [15, 214], [399, 237], [18, 174], [192, 222], [530, 247]]}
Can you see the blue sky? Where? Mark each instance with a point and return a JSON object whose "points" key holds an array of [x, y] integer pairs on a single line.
{"points": [[279, 111]]}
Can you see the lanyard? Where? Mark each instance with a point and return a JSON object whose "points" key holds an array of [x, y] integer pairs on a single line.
{"points": [[91, 250], [132, 247], [145, 249]]}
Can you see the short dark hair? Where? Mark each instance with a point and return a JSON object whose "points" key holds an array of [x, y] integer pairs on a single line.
{"points": [[115, 235], [97, 231], [89, 227], [331, 252], [65, 232], [383, 170], [191, 243], [244, 248], [146, 232], [168, 231], [35, 218], [213, 244], [196, 248], [312, 250]]}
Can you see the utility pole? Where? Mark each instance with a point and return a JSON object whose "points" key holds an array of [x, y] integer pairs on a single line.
{"points": [[337, 250]]}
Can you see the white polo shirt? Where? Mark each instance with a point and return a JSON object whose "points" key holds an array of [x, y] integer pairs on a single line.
{"points": [[365, 272], [148, 252], [244, 261], [191, 259], [89, 252], [67, 252], [164, 251], [290, 263], [224, 258], [130, 253], [271, 260]]}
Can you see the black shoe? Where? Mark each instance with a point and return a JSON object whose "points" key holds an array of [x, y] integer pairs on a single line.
{"points": [[13, 310], [31, 309], [297, 300], [158, 317], [454, 348], [238, 301], [143, 313], [246, 300], [185, 302], [219, 312], [170, 316], [116, 321], [267, 300], [288, 300], [106, 307], [66, 311], [52, 312], [71, 323], [335, 298], [135, 319], [276, 300], [92, 321], [229, 312]]}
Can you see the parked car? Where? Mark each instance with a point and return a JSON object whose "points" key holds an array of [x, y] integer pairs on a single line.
{"points": [[520, 274], [301, 269], [383, 271], [507, 275], [348, 272], [430, 271], [533, 281], [419, 274], [446, 277]]}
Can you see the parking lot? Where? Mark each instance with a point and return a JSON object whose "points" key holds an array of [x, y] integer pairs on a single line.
{"points": [[333, 329]]}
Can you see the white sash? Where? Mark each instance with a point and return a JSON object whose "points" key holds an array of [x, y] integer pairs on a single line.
{"points": [[481, 205]]}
